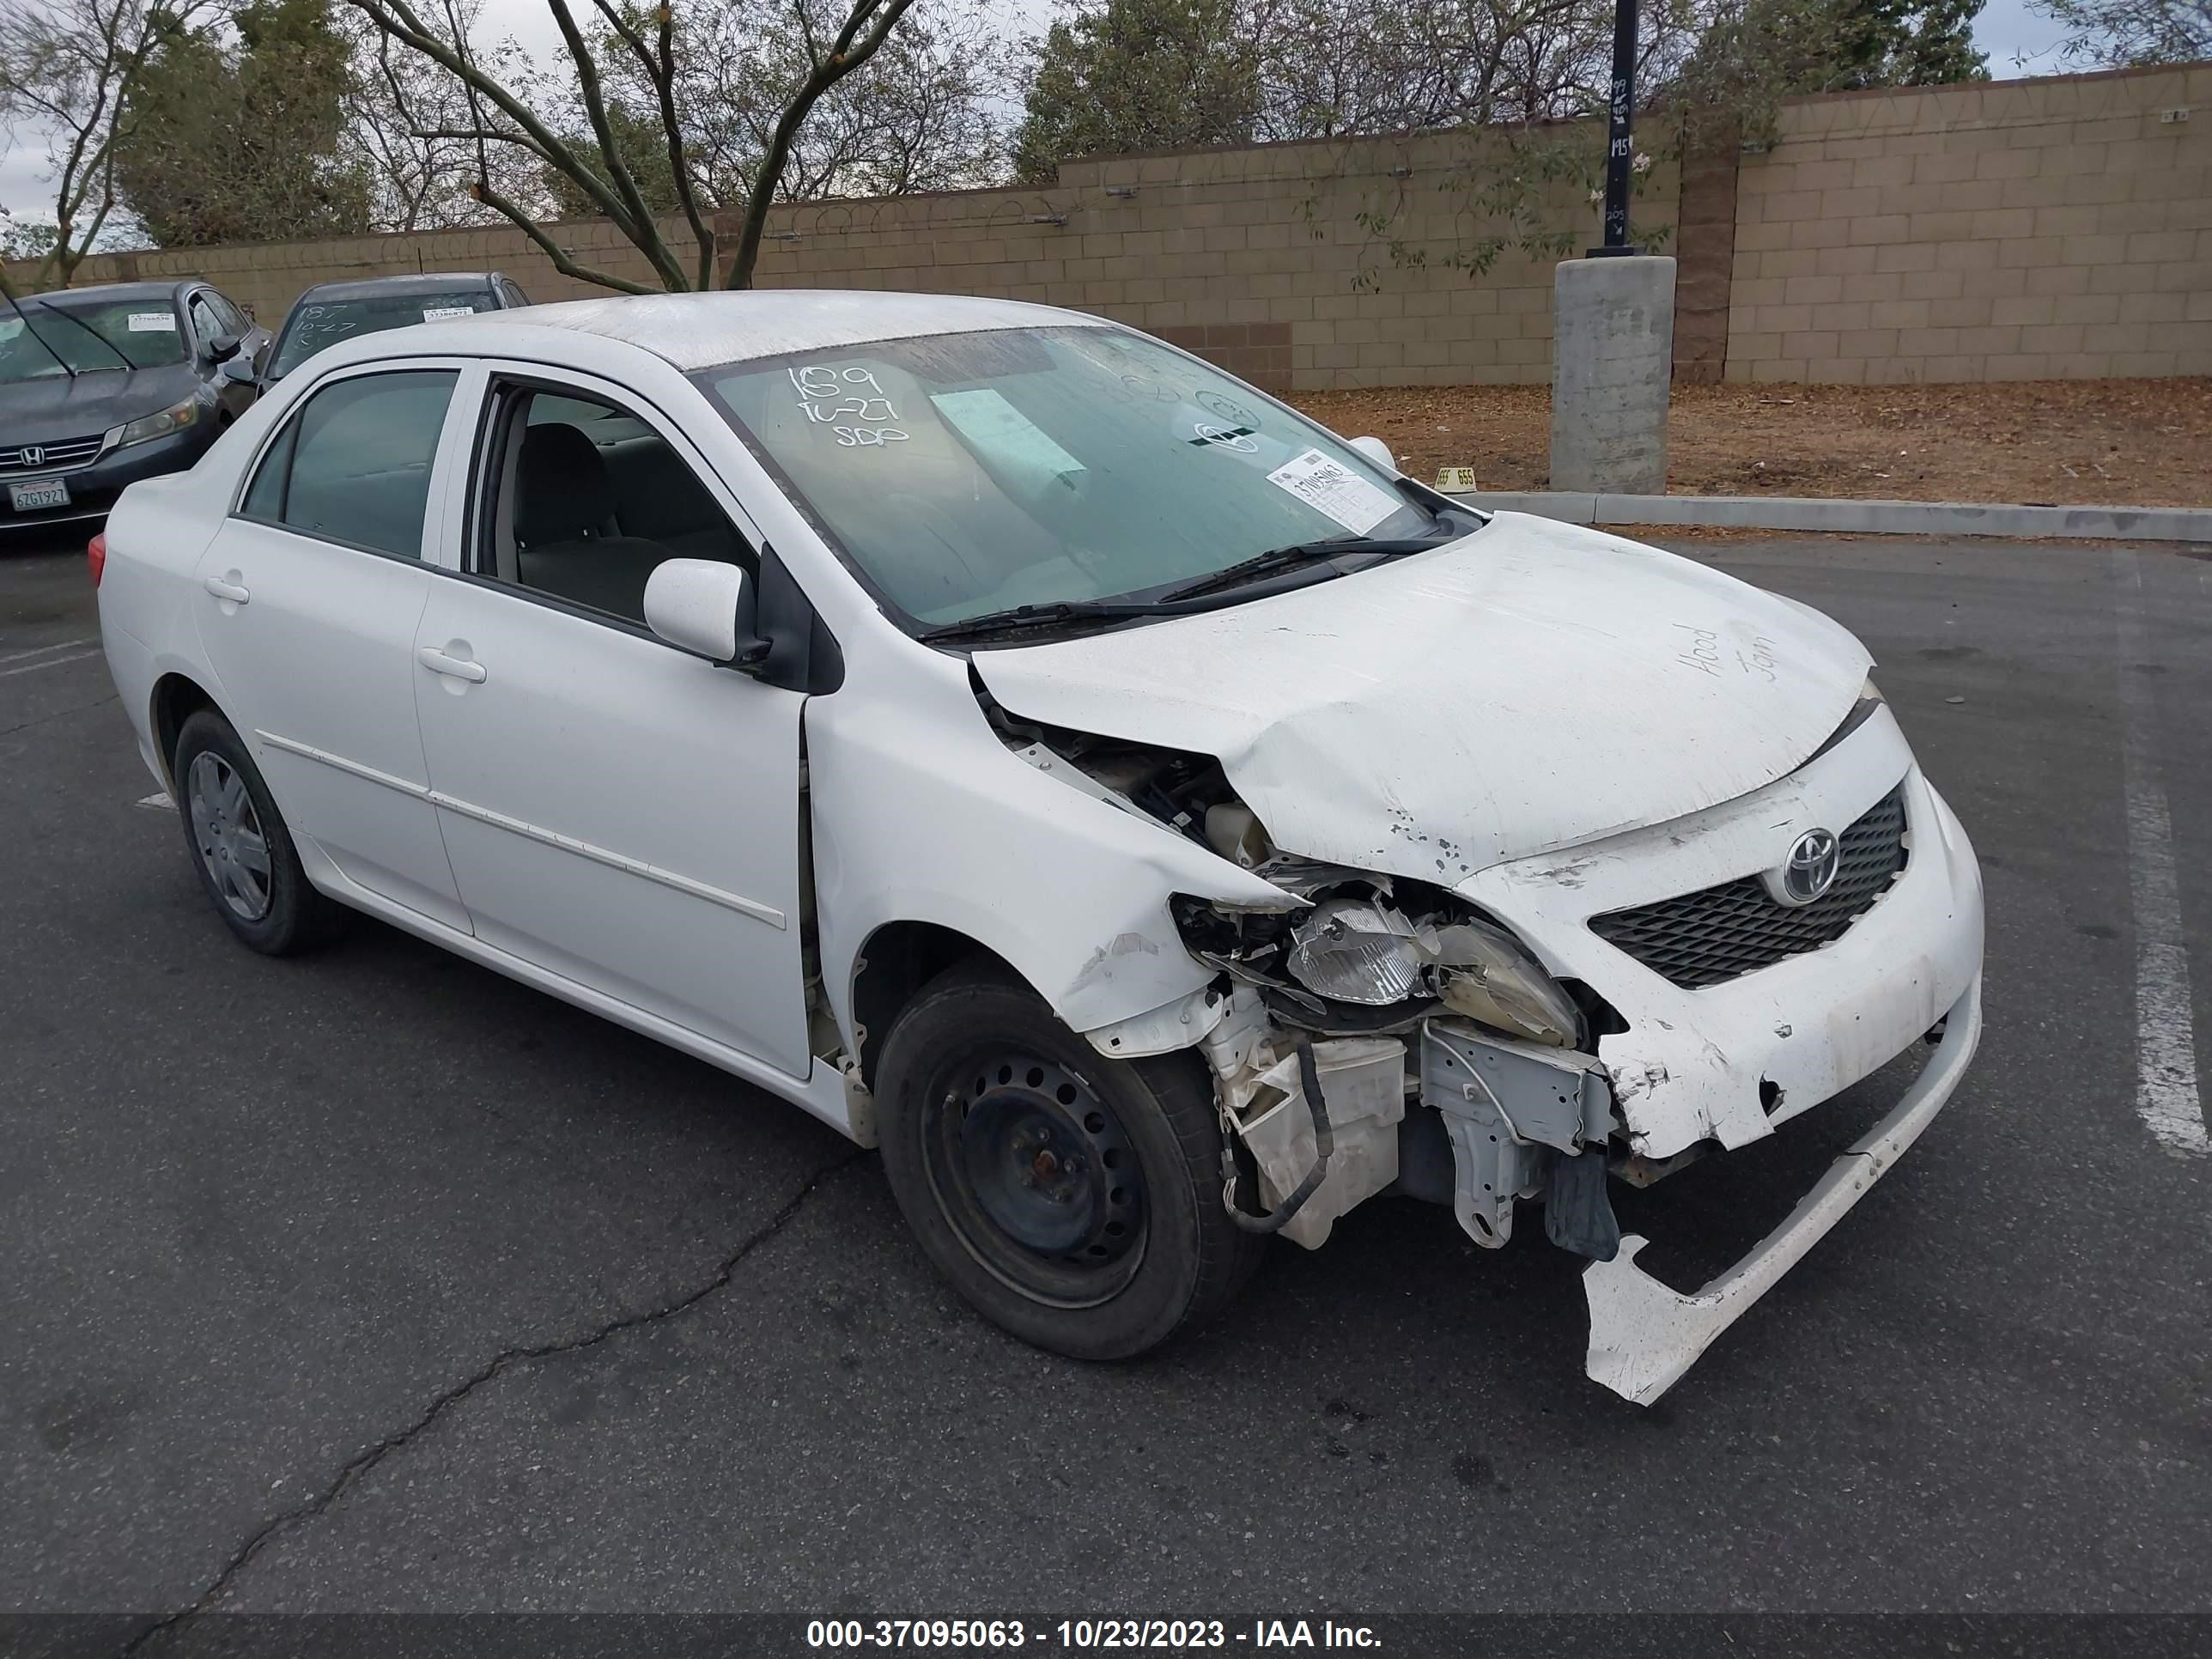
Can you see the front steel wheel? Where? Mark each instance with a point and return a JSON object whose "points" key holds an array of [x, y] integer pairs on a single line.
{"points": [[1030, 1163], [1074, 1199]]}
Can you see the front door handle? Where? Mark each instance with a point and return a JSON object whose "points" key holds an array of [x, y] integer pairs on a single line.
{"points": [[223, 589], [439, 663]]}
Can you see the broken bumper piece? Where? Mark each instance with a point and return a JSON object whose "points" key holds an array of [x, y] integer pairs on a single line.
{"points": [[1644, 1335]]}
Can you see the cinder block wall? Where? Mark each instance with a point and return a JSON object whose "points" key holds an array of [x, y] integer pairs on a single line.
{"points": [[2055, 227], [1256, 258], [2037, 229], [1259, 257]]}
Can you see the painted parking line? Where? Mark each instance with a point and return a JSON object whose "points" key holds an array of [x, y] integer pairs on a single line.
{"points": [[159, 801], [2166, 1034], [41, 650], [50, 662]]}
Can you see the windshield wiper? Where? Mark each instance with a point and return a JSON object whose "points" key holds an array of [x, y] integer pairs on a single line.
{"points": [[24, 318], [105, 344], [1286, 558], [1039, 615], [1203, 594]]}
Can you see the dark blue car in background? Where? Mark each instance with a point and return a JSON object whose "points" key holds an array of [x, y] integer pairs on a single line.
{"points": [[102, 387]]}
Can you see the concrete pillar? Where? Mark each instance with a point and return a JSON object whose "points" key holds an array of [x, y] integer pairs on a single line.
{"points": [[1613, 355]]}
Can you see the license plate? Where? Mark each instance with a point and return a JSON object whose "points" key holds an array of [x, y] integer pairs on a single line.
{"points": [[39, 494]]}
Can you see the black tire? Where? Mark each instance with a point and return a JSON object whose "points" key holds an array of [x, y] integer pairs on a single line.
{"points": [[291, 914], [993, 1116]]}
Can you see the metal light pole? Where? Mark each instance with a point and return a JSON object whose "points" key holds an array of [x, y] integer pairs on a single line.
{"points": [[1613, 326], [1619, 141]]}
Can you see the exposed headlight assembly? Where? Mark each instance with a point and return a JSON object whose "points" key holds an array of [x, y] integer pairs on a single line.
{"points": [[175, 418], [1355, 951], [1361, 951], [1487, 975]]}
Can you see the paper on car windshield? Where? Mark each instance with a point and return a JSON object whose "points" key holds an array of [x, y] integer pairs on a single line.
{"points": [[1333, 488], [440, 313], [152, 322], [1002, 433]]}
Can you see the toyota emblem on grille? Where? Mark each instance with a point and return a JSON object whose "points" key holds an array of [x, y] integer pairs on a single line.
{"points": [[1810, 869], [32, 455]]}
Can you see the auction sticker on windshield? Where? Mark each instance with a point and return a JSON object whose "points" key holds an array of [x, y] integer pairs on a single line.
{"points": [[152, 322], [1334, 488], [440, 313]]}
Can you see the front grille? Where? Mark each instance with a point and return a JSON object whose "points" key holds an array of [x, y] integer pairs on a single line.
{"points": [[56, 456], [1717, 934]]}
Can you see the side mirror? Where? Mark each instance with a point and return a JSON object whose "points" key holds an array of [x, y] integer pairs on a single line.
{"points": [[237, 369], [693, 604], [222, 347], [1377, 451]]}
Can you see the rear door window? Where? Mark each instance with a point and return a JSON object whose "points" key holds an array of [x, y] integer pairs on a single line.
{"points": [[353, 465]]}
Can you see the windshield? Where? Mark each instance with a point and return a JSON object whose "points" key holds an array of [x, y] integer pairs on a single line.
{"points": [[319, 323], [88, 335], [964, 474]]}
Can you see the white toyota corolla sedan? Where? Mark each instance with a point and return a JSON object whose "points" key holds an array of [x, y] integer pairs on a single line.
{"points": [[1151, 819]]}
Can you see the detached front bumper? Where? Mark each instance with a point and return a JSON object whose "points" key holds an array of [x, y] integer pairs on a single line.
{"points": [[1726, 1065], [1644, 1335]]}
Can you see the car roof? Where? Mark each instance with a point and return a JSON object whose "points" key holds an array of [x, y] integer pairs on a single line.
{"points": [[152, 290], [366, 287], [699, 331]]}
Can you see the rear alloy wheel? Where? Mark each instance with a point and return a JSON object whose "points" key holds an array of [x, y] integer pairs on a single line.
{"points": [[240, 844], [1074, 1200]]}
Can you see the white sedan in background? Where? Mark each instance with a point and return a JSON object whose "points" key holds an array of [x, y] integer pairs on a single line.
{"points": [[1151, 819]]}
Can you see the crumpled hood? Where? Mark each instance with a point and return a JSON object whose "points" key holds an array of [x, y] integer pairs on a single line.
{"points": [[1531, 687]]}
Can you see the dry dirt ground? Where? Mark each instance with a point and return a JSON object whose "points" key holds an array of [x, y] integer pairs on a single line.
{"points": [[2143, 443]]}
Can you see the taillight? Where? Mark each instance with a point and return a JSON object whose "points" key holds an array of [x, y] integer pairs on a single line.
{"points": [[95, 554]]}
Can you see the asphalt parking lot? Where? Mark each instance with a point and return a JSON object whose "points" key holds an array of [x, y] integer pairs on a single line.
{"points": [[375, 1281]]}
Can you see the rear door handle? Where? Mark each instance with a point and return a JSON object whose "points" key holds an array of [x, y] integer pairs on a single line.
{"points": [[226, 589], [439, 663]]}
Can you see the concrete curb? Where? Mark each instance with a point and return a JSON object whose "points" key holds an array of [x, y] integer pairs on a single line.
{"points": [[2145, 524]]}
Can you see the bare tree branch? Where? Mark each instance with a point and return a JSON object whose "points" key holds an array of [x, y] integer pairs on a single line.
{"points": [[658, 60], [866, 27], [399, 21], [595, 111], [68, 66], [666, 106], [522, 220]]}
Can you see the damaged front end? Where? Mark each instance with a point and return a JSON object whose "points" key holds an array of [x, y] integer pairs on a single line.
{"points": [[1357, 993], [1377, 988], [1373, 1033]]}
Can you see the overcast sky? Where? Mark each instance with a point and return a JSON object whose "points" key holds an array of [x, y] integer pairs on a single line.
{"points": [[2018, 43]]}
